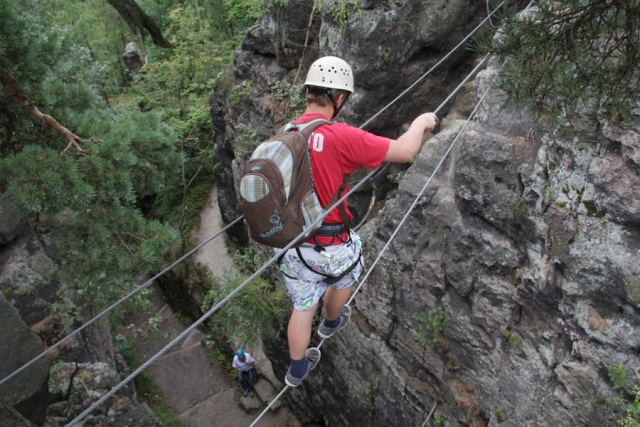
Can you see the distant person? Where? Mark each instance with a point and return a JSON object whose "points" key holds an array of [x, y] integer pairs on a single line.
{"points": [[244, 365], [331, 261]]}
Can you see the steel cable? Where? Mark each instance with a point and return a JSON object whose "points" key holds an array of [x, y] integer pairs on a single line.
{"points": [[268, 263], [112, 306], [413, 205]]}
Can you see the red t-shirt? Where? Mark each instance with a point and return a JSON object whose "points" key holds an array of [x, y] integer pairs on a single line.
{"points": [[336, 150]]}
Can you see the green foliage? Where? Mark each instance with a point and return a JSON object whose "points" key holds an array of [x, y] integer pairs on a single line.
{"points": [[439, 420], [617, 374], [518, 206], [83, 36], [632, 415], [148, 152], [108, 246], [27, 54], [246, 139], [398, 177], [433, 323], [501, 414], [180, 80], [572, 57], [369, 392], [103, 238], [286, 102], [146, 387], [40, 180], [136, 159], [241, 93], [251, 314], [340, 10], [250, 259], [514, 339], [243, 13]]}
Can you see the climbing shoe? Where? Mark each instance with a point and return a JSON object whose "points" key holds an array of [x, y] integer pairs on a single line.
{"points": [[345, 316], [313, 357]]}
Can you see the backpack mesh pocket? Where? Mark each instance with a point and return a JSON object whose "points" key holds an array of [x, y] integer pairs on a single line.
{"points": [[311, 209], [254, 188]]}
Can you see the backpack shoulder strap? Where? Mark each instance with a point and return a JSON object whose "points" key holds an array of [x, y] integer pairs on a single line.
{"points": [[341, 209], [305, 128]]}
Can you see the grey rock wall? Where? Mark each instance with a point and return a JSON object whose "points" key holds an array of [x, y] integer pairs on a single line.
{"points": [[12, 221], [27, 390], [540, 287], [27, 327], [526, 239], [389, 45]]}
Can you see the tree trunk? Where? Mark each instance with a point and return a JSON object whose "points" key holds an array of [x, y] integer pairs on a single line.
{"points": [[138, 21]]}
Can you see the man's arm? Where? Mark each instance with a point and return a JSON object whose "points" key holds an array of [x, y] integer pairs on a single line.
{"points": [[405, 148]]}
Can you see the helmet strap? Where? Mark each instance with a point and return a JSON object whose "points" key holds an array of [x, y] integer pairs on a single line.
{"points": [[329, 92], [337, 110]]}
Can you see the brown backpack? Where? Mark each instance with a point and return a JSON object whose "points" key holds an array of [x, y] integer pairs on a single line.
{"points": [[277, 194]]}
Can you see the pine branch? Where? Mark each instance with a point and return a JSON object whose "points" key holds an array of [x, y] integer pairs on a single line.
{"points": [[126, 233], [125, 245], [11, 88]]}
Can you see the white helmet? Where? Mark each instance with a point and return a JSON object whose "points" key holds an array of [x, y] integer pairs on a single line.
{"points": [[330, 72]]}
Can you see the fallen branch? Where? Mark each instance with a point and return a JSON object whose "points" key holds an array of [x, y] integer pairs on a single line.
{"points": [[11, 88], [435, 404]]}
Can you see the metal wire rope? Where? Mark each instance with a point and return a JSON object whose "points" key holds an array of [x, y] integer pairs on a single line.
{"points": [[241, 217], [444, 58], [362, 280], [413, 205], [275, 257], [205, 316], [489, 13], [112, 306], [417, 199], [436, 65]]}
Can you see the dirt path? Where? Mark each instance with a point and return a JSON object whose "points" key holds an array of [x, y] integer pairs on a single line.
{"points": [[199, 389], [214, 254]]}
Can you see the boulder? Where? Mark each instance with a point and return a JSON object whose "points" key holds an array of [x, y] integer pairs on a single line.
{"points": [[27, 392], [12, 221]]}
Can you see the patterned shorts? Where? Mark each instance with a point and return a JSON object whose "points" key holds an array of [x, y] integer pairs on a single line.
{"points": [[304, 286]]}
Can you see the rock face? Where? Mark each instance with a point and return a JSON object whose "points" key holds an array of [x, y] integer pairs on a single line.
{"points": [[27, 390], [248, 106], [133, 62], [41, 392], [525, 240], [12, 221]]}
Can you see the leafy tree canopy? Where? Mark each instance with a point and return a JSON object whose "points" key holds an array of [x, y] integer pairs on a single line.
{"points": [[114, 203], [571, 58]]}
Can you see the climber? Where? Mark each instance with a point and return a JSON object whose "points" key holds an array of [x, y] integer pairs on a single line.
{"points": [[331, 261], [244, 365]]}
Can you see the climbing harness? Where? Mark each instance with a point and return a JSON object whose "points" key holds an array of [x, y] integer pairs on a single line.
{"points": [[395, 232], [258, 272]]}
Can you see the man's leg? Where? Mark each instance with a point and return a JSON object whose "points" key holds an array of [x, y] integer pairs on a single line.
{"points": [[299, 332], [251, 380], [305, 290], [303, 359], [251, 376], [243, 382], [334, 300]]}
